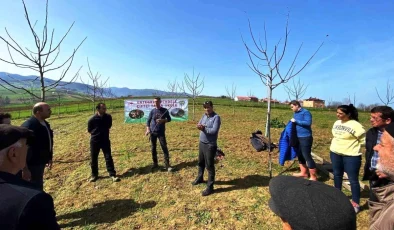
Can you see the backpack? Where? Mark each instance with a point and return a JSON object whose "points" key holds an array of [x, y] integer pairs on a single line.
{"points": [[259, 142]]}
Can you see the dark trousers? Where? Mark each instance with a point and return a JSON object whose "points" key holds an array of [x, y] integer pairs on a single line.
{"points": [[304, 151], [206, 159], [163, 144], [94, 152], [37, 175], [351, 165], [375, 182]]}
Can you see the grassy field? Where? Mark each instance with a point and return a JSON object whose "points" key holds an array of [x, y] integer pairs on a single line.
{"points": [[162, 200]]}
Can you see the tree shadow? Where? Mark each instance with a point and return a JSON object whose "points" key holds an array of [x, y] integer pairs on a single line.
{"points": [[104, 212], [243, 183]]}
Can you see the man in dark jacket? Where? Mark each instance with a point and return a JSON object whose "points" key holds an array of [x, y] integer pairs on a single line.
{"points": [[381, 116], [98, 127], [156, 127], [40, 153], [22, 206]]}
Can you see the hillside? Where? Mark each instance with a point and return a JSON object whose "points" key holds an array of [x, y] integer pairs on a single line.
{"points": [[75, 87]]}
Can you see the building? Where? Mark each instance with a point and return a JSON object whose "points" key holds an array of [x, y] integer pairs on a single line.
{"points": [[272, 100], [313, 102], [246, 98]]}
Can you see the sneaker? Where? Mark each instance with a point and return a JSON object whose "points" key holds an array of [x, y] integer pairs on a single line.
{"points": [[207, 192], [93, 178], [115, 178], [356, 207], [170, 169]]}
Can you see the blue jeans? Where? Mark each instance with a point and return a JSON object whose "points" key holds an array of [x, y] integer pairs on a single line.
{"points": [[304, 152], [351, 165]]}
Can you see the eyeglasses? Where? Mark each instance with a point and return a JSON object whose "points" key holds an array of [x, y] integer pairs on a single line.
{"points": [[376, 118]]}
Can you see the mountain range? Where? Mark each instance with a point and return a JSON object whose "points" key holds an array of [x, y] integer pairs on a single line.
{"points": [[77, 87]]}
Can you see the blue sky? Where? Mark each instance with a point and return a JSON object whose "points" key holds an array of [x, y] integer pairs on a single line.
{"points": [[146, 44]]}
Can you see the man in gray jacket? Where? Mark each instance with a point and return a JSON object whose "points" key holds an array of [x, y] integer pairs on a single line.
{"points": [[209, 126], [382, 211]]}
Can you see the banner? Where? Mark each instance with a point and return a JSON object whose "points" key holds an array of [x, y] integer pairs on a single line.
{"points": [[137, 110]]}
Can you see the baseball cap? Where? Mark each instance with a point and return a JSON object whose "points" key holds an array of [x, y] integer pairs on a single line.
{"points": [[307, 204], [10, 134]]}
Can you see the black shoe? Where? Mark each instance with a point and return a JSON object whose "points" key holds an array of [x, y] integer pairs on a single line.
{"points": [[207, 192], [154, 167], [197, 181]]}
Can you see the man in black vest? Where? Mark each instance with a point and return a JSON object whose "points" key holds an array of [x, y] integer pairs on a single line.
{"points": [[99, 126], [40, 153], [22, 206]]}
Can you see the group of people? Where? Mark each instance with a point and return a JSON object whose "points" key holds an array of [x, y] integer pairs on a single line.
{"points": [[349, 136], [26, 151]]}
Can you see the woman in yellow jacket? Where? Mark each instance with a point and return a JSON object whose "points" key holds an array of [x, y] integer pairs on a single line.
{"points": [[348, 136]]}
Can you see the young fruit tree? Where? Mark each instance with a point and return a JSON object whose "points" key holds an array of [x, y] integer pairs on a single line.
{"points": [[389, 97], [40, 59], [195, 86], [268, 66], [296, 90], [231, 94], [96, 89]]}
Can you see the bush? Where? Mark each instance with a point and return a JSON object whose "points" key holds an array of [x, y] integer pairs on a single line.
{"points": [[275, 123]]}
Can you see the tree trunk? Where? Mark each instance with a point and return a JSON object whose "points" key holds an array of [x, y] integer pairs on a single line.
{"points": [[194, 102], [42, 86], [268, 127]]}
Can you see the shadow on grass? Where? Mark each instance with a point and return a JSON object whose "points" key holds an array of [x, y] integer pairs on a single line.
{"points": [[243, 183], [105, 212], [147, 169]]}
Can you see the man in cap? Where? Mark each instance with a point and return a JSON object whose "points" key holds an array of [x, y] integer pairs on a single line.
{"points": [[381, 211], [22, 206], [209, 126], [40, 153], [310, 205]]}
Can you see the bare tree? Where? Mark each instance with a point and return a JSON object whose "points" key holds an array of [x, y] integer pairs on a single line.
{"points": [[173, 88], [96, 89], [250, 93], [195, 86], [271, 73], [231, 94], [362, 106], [389, 97], [350, 101], [296, 90], [41, 60]]}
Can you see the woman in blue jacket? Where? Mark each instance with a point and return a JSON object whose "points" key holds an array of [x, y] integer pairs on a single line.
{"points": [[303, 120]]}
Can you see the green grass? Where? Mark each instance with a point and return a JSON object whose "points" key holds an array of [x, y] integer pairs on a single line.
{"points": [[162, 200]]}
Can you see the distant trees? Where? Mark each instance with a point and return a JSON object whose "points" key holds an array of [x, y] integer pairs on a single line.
{"points": [[4, 100], [40, 59], [194, 86]]}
